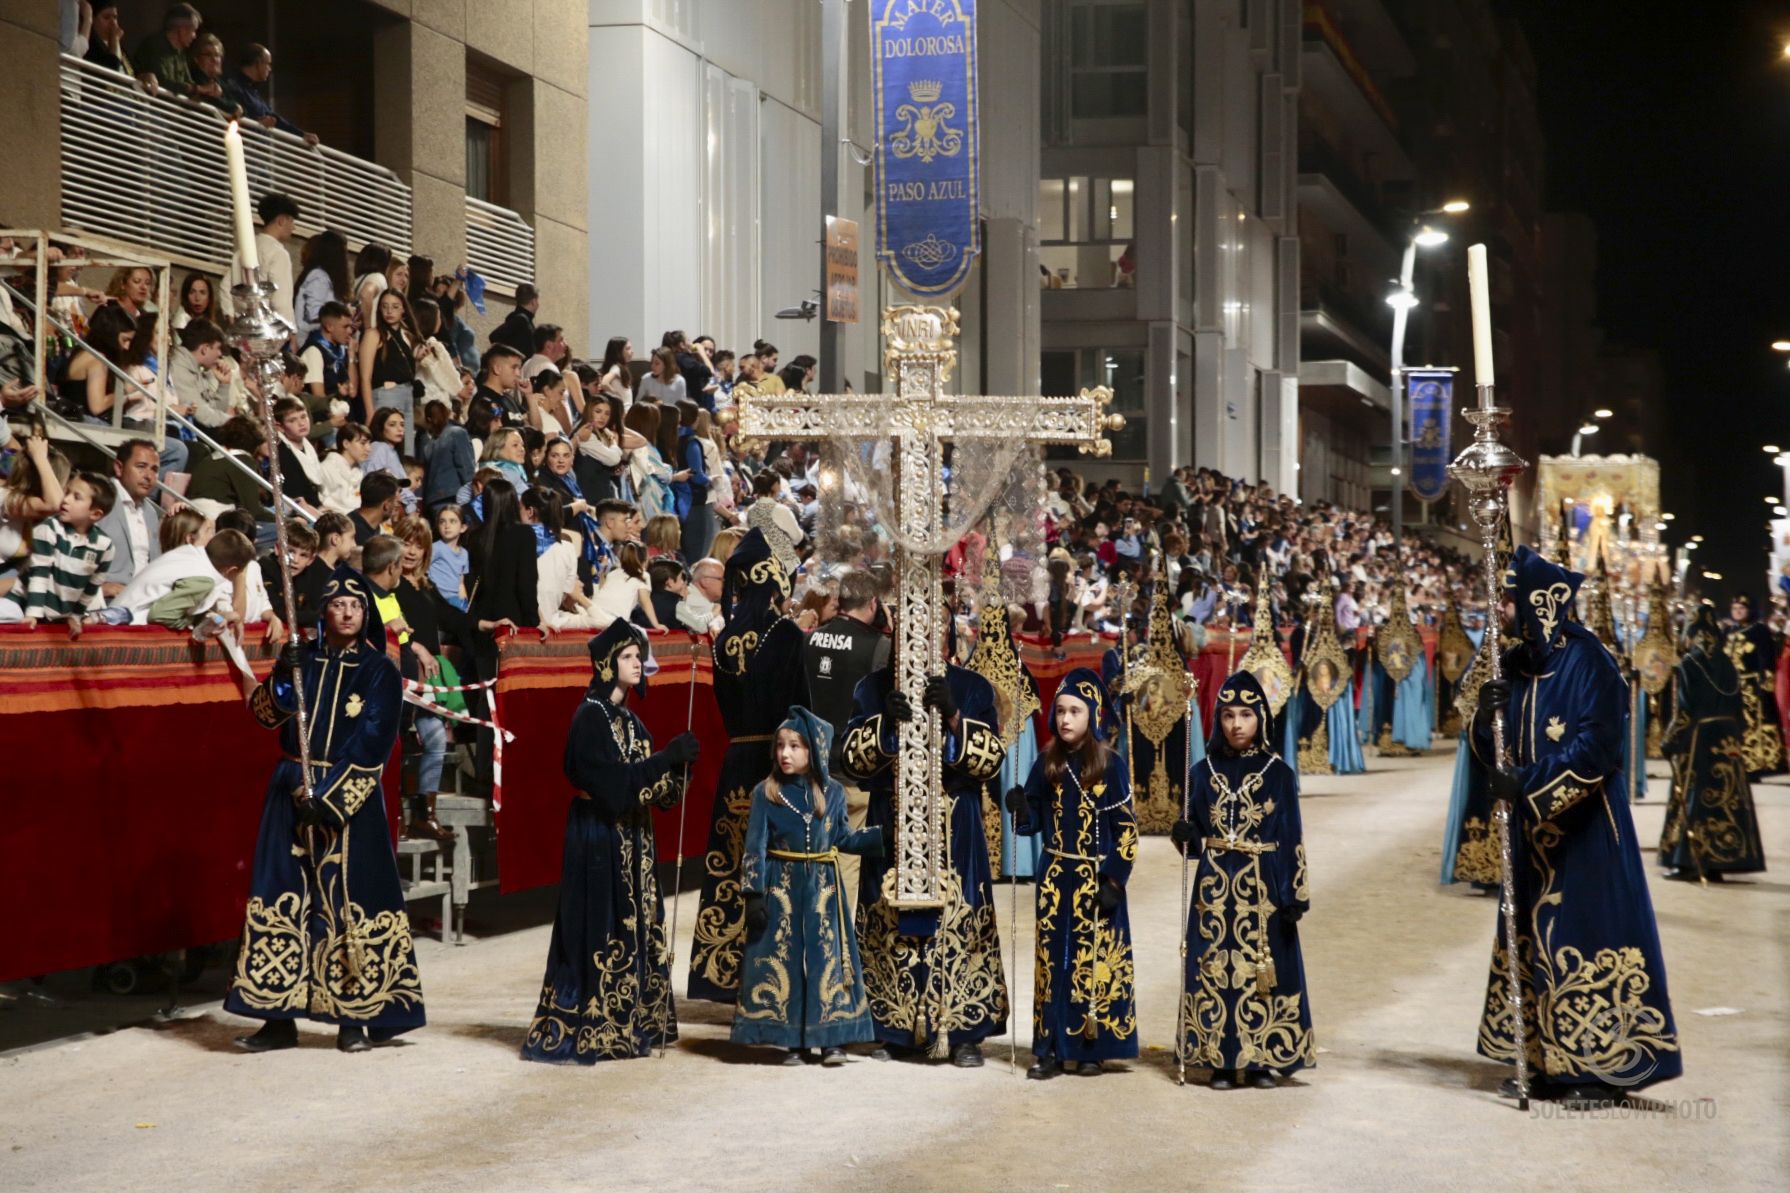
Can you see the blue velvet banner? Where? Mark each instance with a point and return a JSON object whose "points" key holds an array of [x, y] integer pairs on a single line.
{"points": [[1431, 398], [923, 79]]}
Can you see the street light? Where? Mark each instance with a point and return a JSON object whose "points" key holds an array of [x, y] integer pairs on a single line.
{"points": [[1780, 345], [1603, 412], [1584, 430], [1403, 300]]}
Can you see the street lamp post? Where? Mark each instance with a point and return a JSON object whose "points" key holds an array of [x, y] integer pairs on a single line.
{"points": [[1402, 301]]}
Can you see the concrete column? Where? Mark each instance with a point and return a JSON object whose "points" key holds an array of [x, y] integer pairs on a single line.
{"points": [[419, 89], [31, 97]]}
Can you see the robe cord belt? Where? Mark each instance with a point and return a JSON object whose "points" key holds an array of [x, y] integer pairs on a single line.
{"points": [[1221, 844], [1075, 857], [830, 857]]}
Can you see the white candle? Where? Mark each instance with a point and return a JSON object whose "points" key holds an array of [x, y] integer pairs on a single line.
{"points": [[1480, 286], [239, 200]]}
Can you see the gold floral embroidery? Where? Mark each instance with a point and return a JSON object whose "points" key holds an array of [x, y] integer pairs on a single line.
{"points": [[1583, 1017], [767, 997], [720, 926], [1547, 603], [933, 986], [1476, 857]]}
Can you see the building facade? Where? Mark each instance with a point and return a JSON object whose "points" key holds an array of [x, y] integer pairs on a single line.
{"points": [[705, 170], [1167, 226], [453, 129]]}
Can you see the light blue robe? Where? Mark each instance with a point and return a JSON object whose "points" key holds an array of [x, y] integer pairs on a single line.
{"points": [[1345, 742], [1413, 707], [1023, 860]]}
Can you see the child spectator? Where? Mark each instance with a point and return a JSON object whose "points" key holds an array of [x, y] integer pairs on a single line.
{"points": [[447, 558], [664, 536], [344, 467], [670, 582], [69, 557], [189, 581]]}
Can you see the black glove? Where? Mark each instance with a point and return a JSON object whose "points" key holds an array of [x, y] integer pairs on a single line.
{"points": [[1108, 897], [756, 917], [1506, 785], [1292, 915], [286, 662], [938, 696], [1181, 833], [1494, 697], [1016, 800], [898, 708], [682, 749]]}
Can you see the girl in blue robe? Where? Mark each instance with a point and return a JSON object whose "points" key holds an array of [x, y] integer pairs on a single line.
{"points": [[1244, 1009], [801, 982], [607, 990], [1084, 1003]]}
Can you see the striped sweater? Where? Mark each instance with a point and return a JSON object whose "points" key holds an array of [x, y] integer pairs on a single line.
{"points": [[62, 579]]}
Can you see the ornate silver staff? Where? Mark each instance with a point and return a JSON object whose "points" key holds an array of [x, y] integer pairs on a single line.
{"points": [[1186, 907], [1485, 469], [262, 334]]}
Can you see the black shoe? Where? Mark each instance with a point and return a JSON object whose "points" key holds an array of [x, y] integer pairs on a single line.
{"points": [[274, 1035], [1044, 1068], [383, 1037], [1090, 1068], [832, 1058], [352, 1039], [967, 1056], [1262, 1079], [1223, 1079], [793, 1058], [1593, 1096], [882, 1053]]}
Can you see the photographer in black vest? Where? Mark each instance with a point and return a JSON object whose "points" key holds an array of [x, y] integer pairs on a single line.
{"points": [[844, 650]]}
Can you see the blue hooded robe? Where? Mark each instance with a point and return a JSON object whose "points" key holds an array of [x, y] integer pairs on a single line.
{"points": [[1595, 1005]]}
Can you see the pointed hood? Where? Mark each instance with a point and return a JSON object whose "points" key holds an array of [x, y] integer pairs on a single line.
{"points": [[1085, 686], [1544, 594], [753, 591], [1242, 690], [819, 736], [1704, 634], [607, 646]]}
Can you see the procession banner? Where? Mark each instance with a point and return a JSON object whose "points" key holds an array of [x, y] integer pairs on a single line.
{"points": [[923, 80], [1431, 397]]}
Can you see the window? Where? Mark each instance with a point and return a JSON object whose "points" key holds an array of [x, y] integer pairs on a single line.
{"points": [[1084, 230], [485, 175], [1108, 75], [1120, 369]]}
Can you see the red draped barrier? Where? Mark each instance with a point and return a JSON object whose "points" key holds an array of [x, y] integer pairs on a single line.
{"points": [[539, 686], [134, 784]]}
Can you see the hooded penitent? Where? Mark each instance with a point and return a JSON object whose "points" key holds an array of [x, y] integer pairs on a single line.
{"points": [[759, 674], [1585, 926], [607, 647], [1085, 686]]}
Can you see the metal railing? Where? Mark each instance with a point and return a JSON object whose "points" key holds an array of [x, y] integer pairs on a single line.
{"points": [[150, 170], [499, 244], [163, 411]]}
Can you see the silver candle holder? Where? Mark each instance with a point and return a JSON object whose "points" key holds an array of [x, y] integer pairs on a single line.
{"points": [[1486, 468]]}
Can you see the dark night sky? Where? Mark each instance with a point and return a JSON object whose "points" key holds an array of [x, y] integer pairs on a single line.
{"points": [[1669, 124]]}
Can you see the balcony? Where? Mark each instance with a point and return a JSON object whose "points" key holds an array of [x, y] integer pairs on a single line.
{"points": [[499, 245], [1335, 79], [149, 170]]}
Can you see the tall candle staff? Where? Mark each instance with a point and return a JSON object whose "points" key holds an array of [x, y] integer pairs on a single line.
{"points": [[1485, 469]]}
